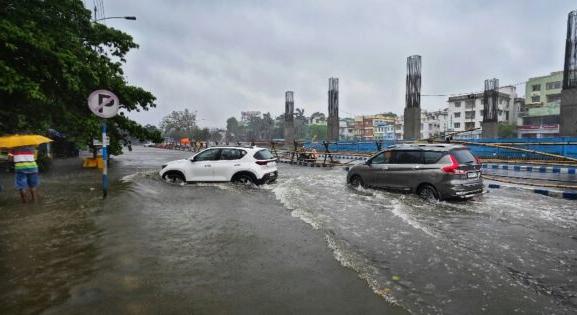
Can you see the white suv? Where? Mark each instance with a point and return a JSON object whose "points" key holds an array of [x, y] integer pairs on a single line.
{"points": [[222, 164]]}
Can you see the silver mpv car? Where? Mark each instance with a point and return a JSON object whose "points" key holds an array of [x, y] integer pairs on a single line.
{"points": [[432, 171]]}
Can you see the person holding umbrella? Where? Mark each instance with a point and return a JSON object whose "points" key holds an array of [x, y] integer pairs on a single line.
{"points": [[26, 169], [23, 154]]}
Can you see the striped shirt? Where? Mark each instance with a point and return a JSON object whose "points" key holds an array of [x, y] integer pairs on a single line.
{"points": [[24, 160]]}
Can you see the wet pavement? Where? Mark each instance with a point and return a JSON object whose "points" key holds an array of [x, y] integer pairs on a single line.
{"points": [[307, 244]]}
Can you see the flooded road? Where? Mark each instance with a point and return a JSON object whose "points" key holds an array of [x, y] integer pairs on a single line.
{"points": [[307, 244]]}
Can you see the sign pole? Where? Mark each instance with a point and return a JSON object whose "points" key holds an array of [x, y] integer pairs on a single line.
{"points": [[104, 104], [104, 161]]}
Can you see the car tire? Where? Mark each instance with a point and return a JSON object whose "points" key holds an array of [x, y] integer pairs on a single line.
{"points": [[174, 177], [428, 192], [244, 178], [357, 181]]}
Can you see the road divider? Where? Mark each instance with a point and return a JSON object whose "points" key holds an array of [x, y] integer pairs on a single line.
{"points": [[531, 168]]}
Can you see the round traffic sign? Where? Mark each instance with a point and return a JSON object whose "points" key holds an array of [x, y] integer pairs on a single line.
{"points": [[103, 103]]}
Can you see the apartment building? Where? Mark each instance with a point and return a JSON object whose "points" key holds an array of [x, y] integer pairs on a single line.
{"points": [[539, 116], [465, 112]]}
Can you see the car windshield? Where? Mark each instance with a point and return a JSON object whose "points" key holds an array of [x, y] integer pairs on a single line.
{"points": [[263, 154], [463, 156]]}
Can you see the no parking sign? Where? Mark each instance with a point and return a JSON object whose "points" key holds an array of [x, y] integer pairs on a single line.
{"points": [[104, 104]]}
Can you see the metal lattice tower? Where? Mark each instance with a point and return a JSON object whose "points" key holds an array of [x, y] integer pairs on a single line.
{"points": [[412, 114], [333, 119], [570, 70], [491, 100]]}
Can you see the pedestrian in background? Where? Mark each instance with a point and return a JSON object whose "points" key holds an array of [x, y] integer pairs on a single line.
{"points": [[26, 170]]}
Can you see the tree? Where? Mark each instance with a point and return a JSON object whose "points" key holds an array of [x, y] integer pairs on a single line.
{"points": [[153, 130], [179, 124], [268, 126], [300, 123], [232, 129], [278, 129], [507, 130], [52, 56], [215, 136], [203, 134], [318, 132]]}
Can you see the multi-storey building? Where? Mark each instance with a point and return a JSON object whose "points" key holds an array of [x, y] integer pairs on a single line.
{"points": [[433, 124], [365, 126], [384, 126], [399, 128], [465, 112], [539, 116], [346, 129]]}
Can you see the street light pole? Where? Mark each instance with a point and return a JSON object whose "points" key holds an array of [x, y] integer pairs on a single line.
{"points": [[117, 17]]}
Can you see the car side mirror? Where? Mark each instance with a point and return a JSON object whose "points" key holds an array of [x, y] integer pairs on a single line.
{"points": [[368, 163]]}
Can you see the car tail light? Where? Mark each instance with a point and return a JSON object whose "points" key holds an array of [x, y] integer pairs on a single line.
{"points": [[262, 162], [478, 160], [453, 168]]}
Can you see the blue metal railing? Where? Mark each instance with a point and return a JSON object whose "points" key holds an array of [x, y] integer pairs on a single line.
{"points": [[564, 146]]}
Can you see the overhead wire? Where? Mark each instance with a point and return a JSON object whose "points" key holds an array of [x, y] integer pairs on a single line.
{"points": [[468, 93]]}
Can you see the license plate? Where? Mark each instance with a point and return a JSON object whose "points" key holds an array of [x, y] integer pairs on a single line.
{"points": [[472, 175]]}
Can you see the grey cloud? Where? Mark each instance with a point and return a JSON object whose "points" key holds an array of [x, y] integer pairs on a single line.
{"points": [[222, 57]]}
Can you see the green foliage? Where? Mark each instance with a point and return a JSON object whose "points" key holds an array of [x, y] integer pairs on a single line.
{"points": [[507, 131], [51, 57], [179, 124], [232, 129], [257, 129], [318, 132]]}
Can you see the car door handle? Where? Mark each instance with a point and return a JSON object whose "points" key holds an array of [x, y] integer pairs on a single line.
{"points": [[207, 165], [384, 168], [237, 165]]}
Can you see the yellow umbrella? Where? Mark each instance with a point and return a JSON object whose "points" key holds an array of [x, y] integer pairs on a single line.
{"points": [[22, 140]]}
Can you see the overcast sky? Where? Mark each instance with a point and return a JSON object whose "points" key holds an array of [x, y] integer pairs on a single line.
{"points": [[223, 57]]}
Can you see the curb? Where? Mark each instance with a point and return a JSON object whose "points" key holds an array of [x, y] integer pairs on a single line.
{"points": [[526, 168], [571, 195]]}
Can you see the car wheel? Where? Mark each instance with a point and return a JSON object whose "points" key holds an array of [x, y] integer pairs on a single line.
{"points": [[174, 177], [428, 192], [357, 181], [244, 179]]}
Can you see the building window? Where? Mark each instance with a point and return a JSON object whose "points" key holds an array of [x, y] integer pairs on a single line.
{"points": [[469, 125], [457, 125], [457, 114], [470, 115], [469, 104], [535, 99], [553, 98], [457, 104], [536, 87], [553, 85]]}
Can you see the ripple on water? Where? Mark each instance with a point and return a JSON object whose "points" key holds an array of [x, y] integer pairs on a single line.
{"points": [[464, 250]]}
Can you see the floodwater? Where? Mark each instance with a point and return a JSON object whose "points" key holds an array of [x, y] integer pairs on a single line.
{"points": [[306, 244]]}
